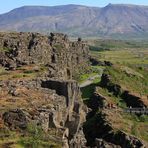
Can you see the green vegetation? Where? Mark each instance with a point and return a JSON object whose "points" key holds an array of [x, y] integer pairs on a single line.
{"points": [[135, 80], [29, 71], [19, 76], [3, 71], [84, 77], [129, 70], [120, 52], [88, 91], [138, 125], [23, 72], [58, 46], [93, 70], [5, 49], [95, 48], [123, 56], [116, 44], [130, 59], [33, 137], [111, 97], [36, 138]]}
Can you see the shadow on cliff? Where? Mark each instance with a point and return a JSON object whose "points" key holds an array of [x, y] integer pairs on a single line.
{"points": [[87, 94], [88, 91]]}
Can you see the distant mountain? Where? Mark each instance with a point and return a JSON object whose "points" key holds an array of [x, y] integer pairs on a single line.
{"points": [[75, 20]]}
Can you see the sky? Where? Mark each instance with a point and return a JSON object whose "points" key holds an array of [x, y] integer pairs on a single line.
{"points": [[7, 5]]}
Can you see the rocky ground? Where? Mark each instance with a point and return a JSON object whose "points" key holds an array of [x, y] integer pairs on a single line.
{"points": [[37, 89]]}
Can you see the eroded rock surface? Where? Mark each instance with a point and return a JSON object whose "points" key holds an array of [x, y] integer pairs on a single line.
{"points": [[102, 128], [61, 55], [38, 87], [132, 99]]}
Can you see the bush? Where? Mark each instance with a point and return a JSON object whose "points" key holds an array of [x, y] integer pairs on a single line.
{"points": [[143, 118], [5, 49], [3, 71], [34, 137]]}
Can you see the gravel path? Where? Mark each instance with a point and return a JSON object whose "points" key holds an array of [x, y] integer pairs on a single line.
{"points": [[91, 79]]}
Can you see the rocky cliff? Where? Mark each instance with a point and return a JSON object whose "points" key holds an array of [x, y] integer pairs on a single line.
{"points": [[105, 126], [132, 99], [62, 56], [36, 85]]}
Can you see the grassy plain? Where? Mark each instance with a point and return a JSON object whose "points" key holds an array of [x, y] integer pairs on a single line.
{"points": [[130, 61]]}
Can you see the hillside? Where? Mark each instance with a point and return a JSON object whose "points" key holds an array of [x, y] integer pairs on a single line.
{"points": [[110, 21]]}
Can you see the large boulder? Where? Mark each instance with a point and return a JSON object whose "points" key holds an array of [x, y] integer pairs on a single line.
{"points": [[15, 119]]}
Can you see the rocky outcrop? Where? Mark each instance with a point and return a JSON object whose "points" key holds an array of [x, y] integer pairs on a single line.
{"points": [[98, 126], [133, 100], [96, 101], [53, 104], [130, 98], [96, 62], [61, 55], [103, 144], [51, 100], [103, 128], [106, 81], [124, 140], [15, 119]]}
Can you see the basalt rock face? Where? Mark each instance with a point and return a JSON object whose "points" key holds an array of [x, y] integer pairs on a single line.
{"points": [[55, 50], [100, 128], [52, 99], [130, 98], [46, 106], [133, 100], [96, 62], [15, 119]]}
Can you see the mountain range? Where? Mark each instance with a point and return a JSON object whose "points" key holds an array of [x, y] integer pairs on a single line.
{"points": [[76, 20]]}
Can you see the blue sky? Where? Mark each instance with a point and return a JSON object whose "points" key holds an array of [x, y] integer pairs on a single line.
{"points": [[7, 5]]}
